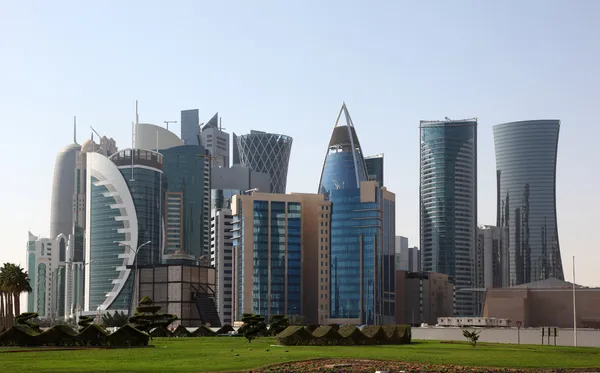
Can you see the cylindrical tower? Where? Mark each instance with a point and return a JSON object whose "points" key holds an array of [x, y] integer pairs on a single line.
{"points": [[448, 200], [526, 197], [63, 187], [269, 153]]}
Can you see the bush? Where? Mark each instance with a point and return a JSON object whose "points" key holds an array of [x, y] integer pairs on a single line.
{"points": [[128, 336], [92, 335], [294, 336], [160, 332], [203, 331], [19, 336], [181, 332], [58, 335], [347, 335], [277, 324], [225, 329]]}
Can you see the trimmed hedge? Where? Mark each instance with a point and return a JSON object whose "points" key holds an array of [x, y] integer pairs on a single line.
{"points": [[346, 335], [203, 331], [63, 335], [160, 331], [225, 329], [181, 331]]}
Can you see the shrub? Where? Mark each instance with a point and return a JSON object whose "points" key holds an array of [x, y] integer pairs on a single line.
{"points": [[203, 331], [277, 324], [58, 335], [351, 335], [147, 317], [325, 335], [472, 336], [225, 329], [128, 336], [256, 327], [294, 336], [312, 327], [181, 332], [335, 327], [375, 334], [160, 332], [92, 335], [18, 336]]}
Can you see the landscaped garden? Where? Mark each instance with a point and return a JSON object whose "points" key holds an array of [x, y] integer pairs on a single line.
{"points": [[228, 354]]}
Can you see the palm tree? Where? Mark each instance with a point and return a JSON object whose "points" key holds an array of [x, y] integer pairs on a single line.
{"points": [[13, 281]]}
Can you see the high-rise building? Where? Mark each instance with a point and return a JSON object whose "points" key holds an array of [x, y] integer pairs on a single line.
{"points": [[227, 182], [187, 206], [374, 164], [124, 216], [221, 257], [448, 200], [46, 268], [422, 297], [266, 152], [216, 141], [63, 185], [526, 204], [407, 258], [492, 259], [361, 255], [153, 137], [279, 256], [235, 153], [190, 121]]}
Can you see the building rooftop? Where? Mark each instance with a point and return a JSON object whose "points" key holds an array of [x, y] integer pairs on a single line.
{"points": [[553, 283]]}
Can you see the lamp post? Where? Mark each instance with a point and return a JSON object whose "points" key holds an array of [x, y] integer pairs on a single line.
{"points": [[135, 253], [574, 308]]}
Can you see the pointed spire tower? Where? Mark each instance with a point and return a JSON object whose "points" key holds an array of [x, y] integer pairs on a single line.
{"points": [[344, 165]]}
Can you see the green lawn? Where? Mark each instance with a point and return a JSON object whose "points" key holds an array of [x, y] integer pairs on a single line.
{"points": [[214, 354]]}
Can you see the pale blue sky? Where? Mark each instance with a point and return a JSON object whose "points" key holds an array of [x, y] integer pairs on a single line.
{"points": [[286, 66]]}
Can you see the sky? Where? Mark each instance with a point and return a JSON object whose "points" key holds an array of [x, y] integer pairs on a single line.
{"points": [[286, 67]]}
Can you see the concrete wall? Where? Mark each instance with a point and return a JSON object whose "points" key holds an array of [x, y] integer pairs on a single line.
{"points": [[585, 337]]}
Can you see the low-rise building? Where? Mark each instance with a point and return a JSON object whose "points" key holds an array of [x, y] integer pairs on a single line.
{"points": [[423, 297]]}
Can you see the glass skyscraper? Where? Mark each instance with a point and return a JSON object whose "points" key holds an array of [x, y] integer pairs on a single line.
{"points": [[361, 248], [526, 203], [268, 153], [374, 166], [448, 203], [186, 170]]}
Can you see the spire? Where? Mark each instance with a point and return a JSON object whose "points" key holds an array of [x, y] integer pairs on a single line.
{"points": [[74, 129]]}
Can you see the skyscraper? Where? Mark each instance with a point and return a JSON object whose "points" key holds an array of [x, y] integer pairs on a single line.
{"points": [[492, 267], [526, 203], [448, 199], [374, 166], [63, 185], [361, 250], [190, 121], [269, 153], [187, 172], [124, 212], [216, 141]]}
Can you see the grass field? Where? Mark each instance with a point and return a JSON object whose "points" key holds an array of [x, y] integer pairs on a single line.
{"points": [[214, 354]]}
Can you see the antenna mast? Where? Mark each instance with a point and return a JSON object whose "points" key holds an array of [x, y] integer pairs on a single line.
{"points": [[74, 129]]}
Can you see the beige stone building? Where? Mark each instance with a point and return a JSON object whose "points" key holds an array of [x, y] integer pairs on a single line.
{"points": [[422, 297], [544, 303]]}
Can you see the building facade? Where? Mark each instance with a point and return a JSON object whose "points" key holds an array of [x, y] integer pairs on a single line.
{"points": [[448, 200], [227, 182], [190, 121], [374, 166], [187, 172], [492, 261], [153, 137], [216, 141], [221, 258], [422, 297], [63, 187], [526, 182], [268, 153], [275, 252], [407, 258], [124, 212], [361, 248], [46, 268]]}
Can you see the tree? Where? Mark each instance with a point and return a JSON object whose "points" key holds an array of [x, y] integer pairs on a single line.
{"points": [[14, 280], [116, 319], [472, 336], [254, 326], [146, 316], [277, 324]]}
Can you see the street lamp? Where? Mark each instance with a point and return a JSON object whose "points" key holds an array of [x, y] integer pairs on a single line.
{"points": [[135, 253]]}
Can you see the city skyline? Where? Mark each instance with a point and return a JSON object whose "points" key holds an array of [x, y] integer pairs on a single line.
{"points": [[503, 86]]}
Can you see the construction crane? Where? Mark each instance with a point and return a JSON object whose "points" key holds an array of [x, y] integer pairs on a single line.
{"points": [[169, 121]]}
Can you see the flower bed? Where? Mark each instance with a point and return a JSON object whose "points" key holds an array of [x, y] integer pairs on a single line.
{"points": [[370, 366]]}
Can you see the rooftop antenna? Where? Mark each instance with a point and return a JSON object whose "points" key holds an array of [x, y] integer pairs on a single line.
{"points": [[221, 124], [74, 129], [169, 121], [137, 115]]}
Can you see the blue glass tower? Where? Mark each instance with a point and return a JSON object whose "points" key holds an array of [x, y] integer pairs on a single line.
{"points": [[361, 247], [449, 203]]}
